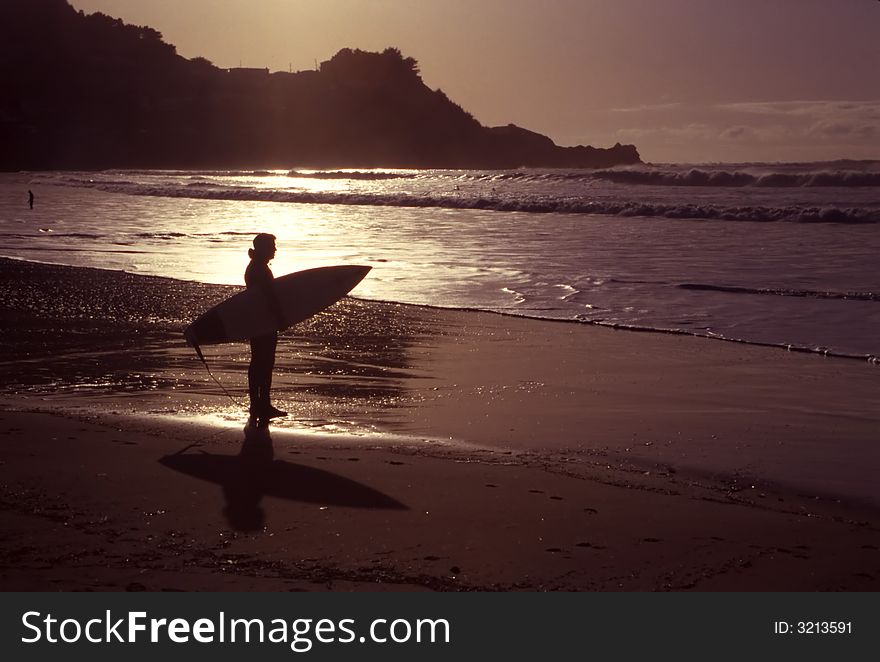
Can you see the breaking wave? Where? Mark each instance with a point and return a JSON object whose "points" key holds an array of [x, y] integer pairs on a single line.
{"points": [[522, 203], [739, 176], [347, 174], [736, 178], [307, 174], [705, 178], [193, 174]]}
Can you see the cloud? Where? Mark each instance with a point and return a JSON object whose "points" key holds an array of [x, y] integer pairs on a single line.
{"points": [[756, 130], [737, 133], [707, 132], [843, 129], [648, 108], [810, 109], [694, 131], [843, 121]]}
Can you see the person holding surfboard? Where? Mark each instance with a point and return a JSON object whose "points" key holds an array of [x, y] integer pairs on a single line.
{"points": [[267, 306], [259, 276]]}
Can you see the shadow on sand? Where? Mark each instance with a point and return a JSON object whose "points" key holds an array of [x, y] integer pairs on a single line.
{"points": [[254, 473]]}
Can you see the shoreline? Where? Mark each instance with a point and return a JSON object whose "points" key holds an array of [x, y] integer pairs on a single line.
{"points": [[595, 460], [823, 352], [391, 351]]}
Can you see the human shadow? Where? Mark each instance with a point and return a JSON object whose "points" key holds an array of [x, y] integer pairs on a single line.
{"points": [[254, 473]]}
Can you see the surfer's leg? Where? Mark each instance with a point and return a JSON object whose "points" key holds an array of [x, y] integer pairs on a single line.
{"points": [[264, 372], [271, 346], [260, 375], [255, 376], [270, 410]]}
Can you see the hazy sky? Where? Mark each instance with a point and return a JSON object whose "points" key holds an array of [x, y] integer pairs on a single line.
{"points": [[684, 80]]}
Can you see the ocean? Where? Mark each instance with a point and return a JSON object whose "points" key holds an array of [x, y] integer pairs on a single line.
{"points": [[778, 254]]}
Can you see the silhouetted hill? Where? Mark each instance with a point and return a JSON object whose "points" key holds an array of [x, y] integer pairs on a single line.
{"points": [[88, 91]]}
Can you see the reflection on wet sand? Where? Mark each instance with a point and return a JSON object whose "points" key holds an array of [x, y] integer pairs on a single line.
{"points": [[254, 473], [70, 330]]}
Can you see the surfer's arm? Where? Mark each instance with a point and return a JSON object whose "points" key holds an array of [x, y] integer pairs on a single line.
{"points": [[262, 280], [274, 305]]}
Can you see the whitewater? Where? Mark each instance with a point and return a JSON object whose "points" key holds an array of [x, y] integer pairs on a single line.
{"points": [[779, 254]]}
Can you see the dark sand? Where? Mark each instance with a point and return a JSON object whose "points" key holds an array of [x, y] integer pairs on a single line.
{"points": [[426, 450]]}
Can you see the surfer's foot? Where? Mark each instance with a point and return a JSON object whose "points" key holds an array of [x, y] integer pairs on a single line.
{"points": [[273, 412], [266, 411]]}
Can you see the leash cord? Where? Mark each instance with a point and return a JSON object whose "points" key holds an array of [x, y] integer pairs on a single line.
{"points": [[216, 381]]}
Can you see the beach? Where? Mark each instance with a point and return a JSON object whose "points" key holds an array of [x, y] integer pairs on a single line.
{"points": [[426, 449]]}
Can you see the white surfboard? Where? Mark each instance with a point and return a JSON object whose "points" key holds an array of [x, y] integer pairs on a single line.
{"points": [[301, 295]]}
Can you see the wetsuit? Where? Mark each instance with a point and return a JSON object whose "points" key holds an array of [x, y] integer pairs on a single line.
{"points": [[258, 275]]}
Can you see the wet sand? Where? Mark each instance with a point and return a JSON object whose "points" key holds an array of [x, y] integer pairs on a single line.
{"points": [[426, 450]]}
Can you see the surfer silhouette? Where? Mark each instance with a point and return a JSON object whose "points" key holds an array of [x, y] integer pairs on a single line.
{"points": [[259, 276], [31, 198]]}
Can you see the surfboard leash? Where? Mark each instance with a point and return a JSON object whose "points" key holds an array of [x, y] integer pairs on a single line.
{"points": [[201, 356]]}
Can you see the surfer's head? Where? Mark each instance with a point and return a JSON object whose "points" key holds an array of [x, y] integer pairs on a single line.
{"points": [[264, 247]]}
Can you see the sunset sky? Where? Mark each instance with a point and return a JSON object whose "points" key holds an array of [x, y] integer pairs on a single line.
{"points": [[684, 80]]}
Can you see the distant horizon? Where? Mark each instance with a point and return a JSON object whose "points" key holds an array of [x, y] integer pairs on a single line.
{"points": [[685, 81]]}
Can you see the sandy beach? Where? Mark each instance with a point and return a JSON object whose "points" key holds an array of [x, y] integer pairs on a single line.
{"points": [[426, 449]]}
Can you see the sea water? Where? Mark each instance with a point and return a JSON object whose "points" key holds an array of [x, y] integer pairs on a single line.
{"points": [[783, 254]]}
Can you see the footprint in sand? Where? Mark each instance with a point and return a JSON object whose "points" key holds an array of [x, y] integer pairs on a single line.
{"points": [[591, 511], [536, 491]]}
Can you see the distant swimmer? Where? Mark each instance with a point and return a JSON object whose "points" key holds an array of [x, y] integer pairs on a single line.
{"points": [[31, 198], [259, 276]]}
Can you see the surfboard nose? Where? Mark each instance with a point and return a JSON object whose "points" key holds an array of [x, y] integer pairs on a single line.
{"points": [[355, 273]]}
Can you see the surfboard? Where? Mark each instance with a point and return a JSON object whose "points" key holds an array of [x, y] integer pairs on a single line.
{"points": [[301, 295]]}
